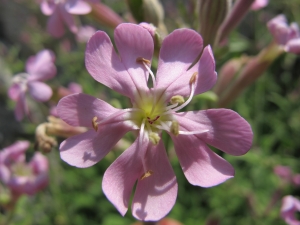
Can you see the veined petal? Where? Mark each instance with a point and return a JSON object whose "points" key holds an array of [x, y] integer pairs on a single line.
{"points": [[79, 109], [227, 130], [107, 67], [39, 91], [120, 177], [155, 195], [77, 7], [41, 66], [55, 25], [207, 76], [68, 19], [200, 165], [178, 51], [85, 150]]}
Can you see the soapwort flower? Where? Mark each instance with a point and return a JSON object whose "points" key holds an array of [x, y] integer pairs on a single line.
{"points": [[61, 12], [290, 206], [39, 68], [20, 176], [153, 110], [285, 35]]}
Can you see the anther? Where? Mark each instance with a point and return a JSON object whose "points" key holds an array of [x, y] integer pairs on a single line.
{"points": [[154, 138], [94, 123], [193, 78], [177, 99], [174, 128], [142, 60], [147, 174]]}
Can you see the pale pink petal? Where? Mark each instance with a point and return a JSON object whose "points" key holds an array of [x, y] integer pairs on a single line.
{"points": [[39, 91], [77, 7], [4, 174], [290, 206], [47, 7], [121, 175], [85, 150], [14, 153], [55, 25], [227, 130], [79, 109], [279, 29], [207, 76], [259, 4], [201, 166], [14, 91], [294, 32], [68, 19], [106, 67], [74, 87], [85, 33], [293, 46], [21, 108], [41, 66], [178, 51], [39, 163], [155, 195]]}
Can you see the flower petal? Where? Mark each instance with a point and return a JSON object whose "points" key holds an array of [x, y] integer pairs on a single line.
{"points": [[120, 177], [207, 76], [77, 7], [39, 91], [79, 109], [85, 150], [178, 51], [55, 26], [107, 67], [200, 165], [47, 7], [41, 66], [227, 130], [155, 195], [21, 108], [68, 19], [14, 153], [14, 91], [293, 46]]}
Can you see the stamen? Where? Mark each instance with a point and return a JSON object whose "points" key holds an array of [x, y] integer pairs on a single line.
{"points": [[171, 106], [175, 128], [141, 137], [192, 132], [147, 174], [192, 82], [177, 99], [143, 60], [94, 123], [154, 138]]}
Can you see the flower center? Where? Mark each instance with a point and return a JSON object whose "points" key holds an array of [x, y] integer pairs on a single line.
{"points": [[21, 169]]}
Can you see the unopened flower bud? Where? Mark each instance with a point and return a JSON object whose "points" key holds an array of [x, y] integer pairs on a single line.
{"points": [[211, 14]]}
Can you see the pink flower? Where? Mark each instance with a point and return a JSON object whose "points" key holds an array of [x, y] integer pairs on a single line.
{"points": [[38, 68], [153, 110], [84, 33], [290, 205], [22, 177], [61, 12], [288, 36], [259, 4]]}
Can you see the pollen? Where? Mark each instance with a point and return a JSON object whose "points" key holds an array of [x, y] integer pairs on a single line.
{"points": [[147, 174], [94, 123]]}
